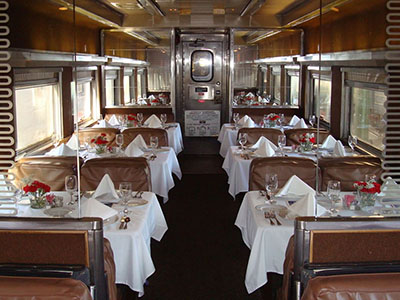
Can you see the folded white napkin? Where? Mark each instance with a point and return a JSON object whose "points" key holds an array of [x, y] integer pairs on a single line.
{"points": [[103, 124], [114, 121], [142, 101], [300, 124], [151, 97], [246, 121], [265, 150], [263, 100], [93, 208], [305, 207], [390, 184], [133, 150], [263, 139], [139, 141], [62, 150], [294, 120], [250, 94], [153, 122], [295, 186], [105, 191], [73, 142], [274, 103], [338, 150], [329, 143]]}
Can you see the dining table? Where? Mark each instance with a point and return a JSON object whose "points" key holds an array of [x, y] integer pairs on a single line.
{"points": [[162, 166], [131, 246], [268, 241]]}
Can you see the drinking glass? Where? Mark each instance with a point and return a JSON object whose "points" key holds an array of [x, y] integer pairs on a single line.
{"points": [[125, 190], [370, 178], [265, 121], [312, 120], [282, 118], [333, 193], [352, 141], [71, 186], [242, 140], [235, 118], [119, 140], [139, 117], [281, 142], [163, 118], [271, 185]]}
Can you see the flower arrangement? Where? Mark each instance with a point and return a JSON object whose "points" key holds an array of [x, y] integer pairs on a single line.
{"points": [[100, 143], [270, 120], [36, 192], [306, 141], [132, 119], [366, 192]]}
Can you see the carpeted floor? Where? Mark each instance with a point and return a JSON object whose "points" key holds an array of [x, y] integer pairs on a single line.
{"points": [[202, 255]]}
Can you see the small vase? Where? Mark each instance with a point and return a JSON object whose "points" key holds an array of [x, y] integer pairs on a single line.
{"points": [[100, 149], [37, 201], [271, 124], [366, 199], [305, 147]]}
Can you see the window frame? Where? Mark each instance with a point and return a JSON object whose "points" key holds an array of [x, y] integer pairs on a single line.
{"points": [[112, 73], [82, 77], [324, 74], [292, 71], [276, 71]]}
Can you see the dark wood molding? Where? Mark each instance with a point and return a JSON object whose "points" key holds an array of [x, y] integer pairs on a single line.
{"points": [[336, 102], [66, 100]]}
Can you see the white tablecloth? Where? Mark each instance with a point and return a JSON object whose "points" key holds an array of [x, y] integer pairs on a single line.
{"points": [[131, 247], [161, 170], [227, 137]]}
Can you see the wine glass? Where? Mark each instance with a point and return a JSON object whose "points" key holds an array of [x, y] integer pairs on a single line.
{"points": [[352, 141], [370, 178], [139, 117], [333, 193], [242, 140], [153, 144], [163, 118], [312, 120], [71, 186], [281, 142], [271, 185], [119, 140], [125, 190], [265, 121], [235, 118]]}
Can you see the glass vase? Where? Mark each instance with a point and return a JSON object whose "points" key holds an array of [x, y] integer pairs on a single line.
{"points": [[305, 147], [366, 199], [100, 149], [37, 201], [271, 124]]}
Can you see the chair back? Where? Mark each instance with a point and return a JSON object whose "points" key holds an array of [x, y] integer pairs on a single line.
{"points": [[131, 133], [293, 135], [348, 170], [45, 247], [87, 134], [121, 169], [47, 169], [333, 246], [284, 167], [253, 134]]}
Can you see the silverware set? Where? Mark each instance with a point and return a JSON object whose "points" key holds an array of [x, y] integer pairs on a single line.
{"points": [[124, 222], [138, 194], [271, 216]]}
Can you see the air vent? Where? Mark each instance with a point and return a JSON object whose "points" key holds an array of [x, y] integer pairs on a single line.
{"points": [[127, 5]]}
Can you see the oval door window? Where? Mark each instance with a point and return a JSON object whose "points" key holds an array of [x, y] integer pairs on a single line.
{"points": [[202, 63]]}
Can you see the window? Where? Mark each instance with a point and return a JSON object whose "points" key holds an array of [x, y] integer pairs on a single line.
{"points": [[141, 83], [86, 94], [276, 84], [127, 89], [38, 115], [324, 97], [111, 86], [292, 86], [202, 64], [366, 119]]}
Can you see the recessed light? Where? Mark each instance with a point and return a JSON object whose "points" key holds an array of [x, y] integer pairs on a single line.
{"points": [[63, 8]]}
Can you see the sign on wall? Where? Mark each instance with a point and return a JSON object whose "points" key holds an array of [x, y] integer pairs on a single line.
{"points": [[202, 122]]}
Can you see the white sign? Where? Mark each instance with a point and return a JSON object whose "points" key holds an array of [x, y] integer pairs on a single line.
{"points": [[202, 122]]}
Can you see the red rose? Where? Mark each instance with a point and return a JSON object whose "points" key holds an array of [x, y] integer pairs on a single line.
{"points": [[103, 134], [312, 140]]}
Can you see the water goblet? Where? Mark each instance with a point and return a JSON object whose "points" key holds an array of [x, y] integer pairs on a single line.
{"points": [[333, 193], [163, 118], [235, 118], [282, 118], [352, 141], [271, 185], [281, 142], [370, 178], [119, 140], [71, 186], [153, 144], [139, 117], [242, 140], [125, 190]]}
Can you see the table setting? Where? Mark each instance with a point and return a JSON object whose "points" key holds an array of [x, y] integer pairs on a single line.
{"points": [[266, 218]]}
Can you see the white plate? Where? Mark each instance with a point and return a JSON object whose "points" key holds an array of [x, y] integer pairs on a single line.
{"points": [[57, 212], [110, 220], [137, 202]]}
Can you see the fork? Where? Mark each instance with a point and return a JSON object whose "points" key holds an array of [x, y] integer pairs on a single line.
{"points": [[273, 215], [268, 216]]}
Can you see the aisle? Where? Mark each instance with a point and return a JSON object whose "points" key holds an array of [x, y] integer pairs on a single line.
{"points": [[202, 255]]}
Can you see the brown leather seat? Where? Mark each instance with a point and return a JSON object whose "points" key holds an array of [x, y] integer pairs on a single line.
{"points": [[293, 135], [47, 169], [253, 134], [375, 286], [288, 267], [170, 116], [284, 167], [86, 134], [348, 170], [131, 133], [40, 288], [121, 169], [109, 269]]}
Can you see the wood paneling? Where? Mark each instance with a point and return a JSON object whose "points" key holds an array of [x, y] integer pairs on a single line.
{"points": [[284, 44], [121, 45]]}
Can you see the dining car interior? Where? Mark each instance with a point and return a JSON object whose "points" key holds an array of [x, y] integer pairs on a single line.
{"points": [[199, 149]]}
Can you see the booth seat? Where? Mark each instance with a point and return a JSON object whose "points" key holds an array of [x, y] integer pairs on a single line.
{"points": [[253, 134]]}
